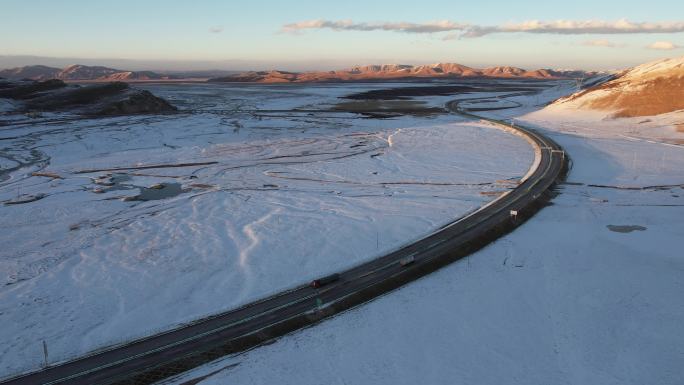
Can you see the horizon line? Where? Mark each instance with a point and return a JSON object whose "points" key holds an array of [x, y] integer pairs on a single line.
{"points": [[246, 65]]}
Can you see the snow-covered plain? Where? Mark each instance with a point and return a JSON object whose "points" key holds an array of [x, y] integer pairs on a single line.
{"points": [[268, 199], [589, 291]]}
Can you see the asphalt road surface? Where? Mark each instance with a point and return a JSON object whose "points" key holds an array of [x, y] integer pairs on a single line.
{"points": [[162, 355]]}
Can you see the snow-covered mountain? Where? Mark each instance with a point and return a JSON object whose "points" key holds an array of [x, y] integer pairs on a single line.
{"points": [[650, 89]]}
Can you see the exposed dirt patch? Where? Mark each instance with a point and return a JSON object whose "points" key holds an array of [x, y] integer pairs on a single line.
{"points": [[625, 228], [657, 97], [385, 106], [642, 91], [47, 174], [160, 191], [407, 92], [24, 198]]}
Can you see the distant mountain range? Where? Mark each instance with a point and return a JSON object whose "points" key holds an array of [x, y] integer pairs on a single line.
{"points": [[397, 71], [80, 72], [649, 89]]}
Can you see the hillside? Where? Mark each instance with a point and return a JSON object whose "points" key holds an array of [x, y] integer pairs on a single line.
{"points": [[650, 89], [79, 72], [394, 71], [36, 72]]}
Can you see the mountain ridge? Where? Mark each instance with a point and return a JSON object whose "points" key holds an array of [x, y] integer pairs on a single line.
{"points": [[79, 72], [397, 71], [374, 72], [652, 88]]}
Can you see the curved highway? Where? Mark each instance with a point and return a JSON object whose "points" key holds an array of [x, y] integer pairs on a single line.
{"points": [[160, 356]]}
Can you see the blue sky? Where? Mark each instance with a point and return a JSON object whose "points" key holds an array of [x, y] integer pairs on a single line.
{"points": [[249, 33]]}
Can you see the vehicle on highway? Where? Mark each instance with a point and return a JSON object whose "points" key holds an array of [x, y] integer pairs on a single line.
{"points": [[407, 260], [320, 282]]}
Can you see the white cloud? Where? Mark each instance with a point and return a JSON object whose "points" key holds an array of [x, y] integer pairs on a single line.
{"points": [[663, 46], [348, 25], [216, 29], [601, 43], [460, 30], [568, 27]]}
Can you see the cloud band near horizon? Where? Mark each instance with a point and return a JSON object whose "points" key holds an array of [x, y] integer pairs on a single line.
{"points": [[465, 30]]}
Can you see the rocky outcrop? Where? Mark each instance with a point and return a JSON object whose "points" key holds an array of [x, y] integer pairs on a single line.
{"points": [[116, 98], [134, 102], [70, 97], [29, 89]]}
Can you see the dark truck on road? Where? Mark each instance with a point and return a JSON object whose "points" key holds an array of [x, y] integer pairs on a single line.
{"points": [[316, 283]]}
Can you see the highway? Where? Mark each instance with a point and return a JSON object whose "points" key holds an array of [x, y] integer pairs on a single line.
{"points": [[157, 357]]}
